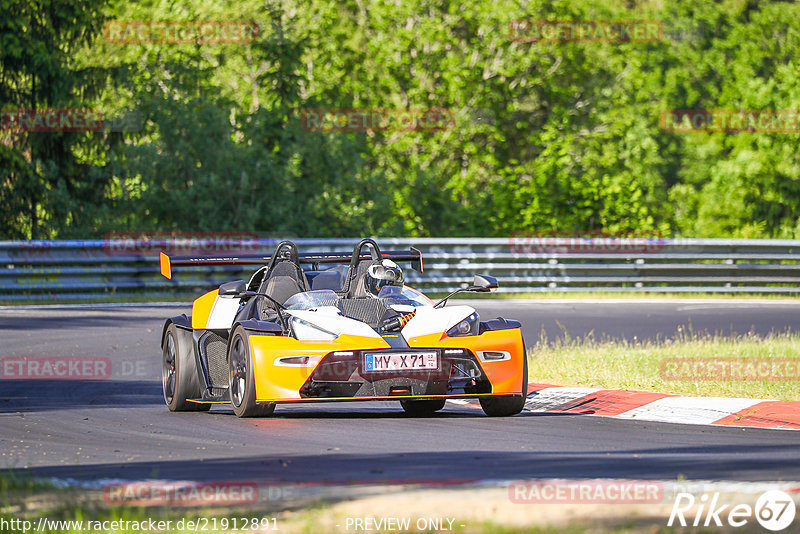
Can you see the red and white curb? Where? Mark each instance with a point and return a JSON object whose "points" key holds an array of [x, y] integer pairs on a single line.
{"points": [[648, 406]]}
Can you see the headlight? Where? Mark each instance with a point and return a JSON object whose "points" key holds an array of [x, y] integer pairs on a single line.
{"points": [[305, 331], [298, 361], [467, 327]]}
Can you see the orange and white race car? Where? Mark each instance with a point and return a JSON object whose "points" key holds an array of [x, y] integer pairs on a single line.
{"points": [[321, 327]]}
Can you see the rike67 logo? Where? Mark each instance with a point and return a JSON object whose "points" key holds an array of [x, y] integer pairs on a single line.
{"points": [[774, 510]]}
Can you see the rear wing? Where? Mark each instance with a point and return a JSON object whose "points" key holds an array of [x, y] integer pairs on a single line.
{"points": [[315, 258], [168, 262], [311, 258]]}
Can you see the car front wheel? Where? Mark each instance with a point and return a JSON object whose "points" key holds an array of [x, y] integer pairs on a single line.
{"points": [[241, 385]]}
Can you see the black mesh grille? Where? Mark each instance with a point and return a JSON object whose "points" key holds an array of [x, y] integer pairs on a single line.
{"points": [[342, 375], [366, 310], [215, 348]]}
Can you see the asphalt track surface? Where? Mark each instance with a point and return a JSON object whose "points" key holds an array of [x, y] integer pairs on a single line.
{"points": [[119, 428]]}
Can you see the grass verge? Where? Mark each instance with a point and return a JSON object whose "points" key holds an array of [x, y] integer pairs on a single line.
{"points": [[37, 505], [34, 506], [31, 505], [646, 365]]}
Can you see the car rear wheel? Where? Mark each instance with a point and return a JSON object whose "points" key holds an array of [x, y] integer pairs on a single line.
{"points": [[179, 378], [421, 408], [510, 404], [242, 387]]}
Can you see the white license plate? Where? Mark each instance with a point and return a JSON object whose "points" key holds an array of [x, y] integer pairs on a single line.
{"points": [[413, 361]]}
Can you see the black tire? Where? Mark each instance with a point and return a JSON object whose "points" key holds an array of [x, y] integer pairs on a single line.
{"points": [[242, 387], [510, 404], [422, 408], [179, 378]]}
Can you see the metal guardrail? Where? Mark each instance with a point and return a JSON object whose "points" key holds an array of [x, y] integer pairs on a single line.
{"points": [[40, 270]]}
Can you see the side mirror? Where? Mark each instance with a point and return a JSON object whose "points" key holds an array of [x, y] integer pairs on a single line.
{"points": [[232, 289], [484, 283]]}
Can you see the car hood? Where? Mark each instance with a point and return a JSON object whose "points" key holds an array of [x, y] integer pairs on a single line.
{"points": [[427, 320]]}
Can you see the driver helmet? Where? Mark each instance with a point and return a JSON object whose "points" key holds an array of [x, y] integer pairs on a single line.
{"points": [[383, 273]]}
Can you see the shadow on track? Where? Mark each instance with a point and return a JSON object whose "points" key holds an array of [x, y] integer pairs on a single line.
{"points": [[706, 462], [46, 395]]}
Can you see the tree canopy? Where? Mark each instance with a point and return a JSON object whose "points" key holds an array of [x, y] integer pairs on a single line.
{"points": [[546, 136]]}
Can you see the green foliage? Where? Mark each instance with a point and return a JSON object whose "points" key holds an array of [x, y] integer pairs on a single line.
{"points": [[45, 178], [547, 136]]}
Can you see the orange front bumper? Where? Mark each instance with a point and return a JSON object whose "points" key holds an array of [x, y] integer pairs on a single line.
{"points": [[280, 383]]}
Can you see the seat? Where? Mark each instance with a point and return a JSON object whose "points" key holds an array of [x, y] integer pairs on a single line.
{"points": [[285, 280], [281, 288], [290, 269], [358, 286], [327, 280], [332, 279]]}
